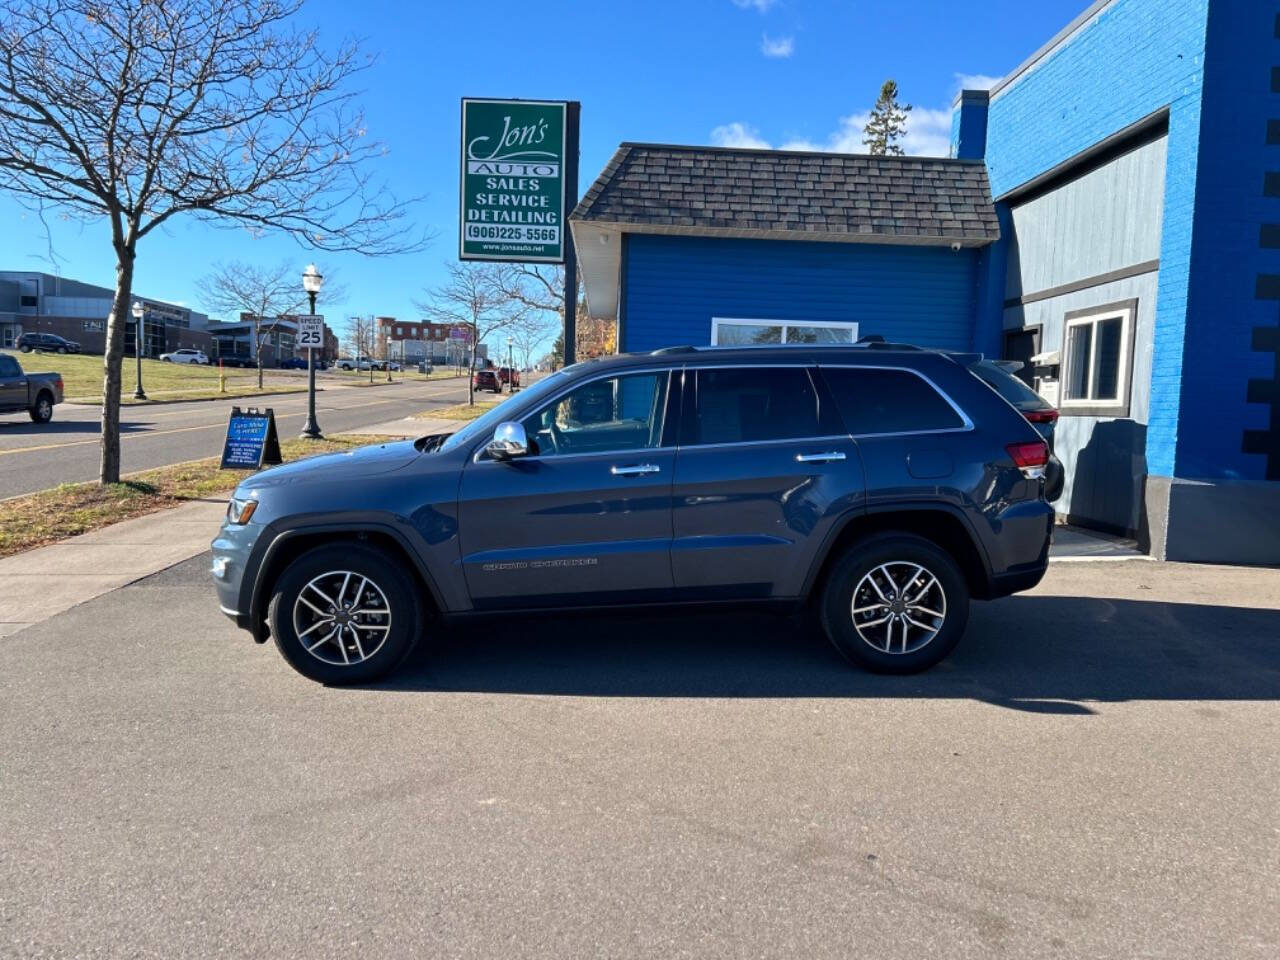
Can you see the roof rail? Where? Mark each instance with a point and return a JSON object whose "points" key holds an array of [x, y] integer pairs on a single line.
{"points": [[667, 350]]}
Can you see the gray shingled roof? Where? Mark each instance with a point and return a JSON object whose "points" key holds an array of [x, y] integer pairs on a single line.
{"points": [[829, 196]]}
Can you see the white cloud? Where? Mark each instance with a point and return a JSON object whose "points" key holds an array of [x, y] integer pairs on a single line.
{"points": [[738, 135], [760, 6], [975, 81], [928, 135], [779, 47]]}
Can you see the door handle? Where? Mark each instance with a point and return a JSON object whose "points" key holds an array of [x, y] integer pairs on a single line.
{"points": [[819, 457], [635, 470]]}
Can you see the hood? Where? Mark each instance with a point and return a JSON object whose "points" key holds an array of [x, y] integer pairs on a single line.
{"points": [[328, 467]]}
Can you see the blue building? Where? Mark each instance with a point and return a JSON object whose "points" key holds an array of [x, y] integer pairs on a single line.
{"points": [[1110, 215]]}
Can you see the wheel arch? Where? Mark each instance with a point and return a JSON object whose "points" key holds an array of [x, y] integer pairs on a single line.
{"points": [[287, 545], [940, 524]]}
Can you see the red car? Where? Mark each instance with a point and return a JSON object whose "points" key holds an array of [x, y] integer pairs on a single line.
{"points": [[487, 380], [509, 375]]}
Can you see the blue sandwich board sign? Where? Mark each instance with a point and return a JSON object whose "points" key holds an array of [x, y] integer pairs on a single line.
{"points": [[252, 441]]}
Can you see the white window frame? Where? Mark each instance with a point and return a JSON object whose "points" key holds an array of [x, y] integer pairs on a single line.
{"points": [[1087, 406], [852, 327]]}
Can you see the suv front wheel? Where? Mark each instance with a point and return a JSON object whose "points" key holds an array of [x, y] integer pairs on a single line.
{"points": [[895, 603], [344, 614]]}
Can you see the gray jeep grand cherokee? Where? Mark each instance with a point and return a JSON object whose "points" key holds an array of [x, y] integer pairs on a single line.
{"points": [[885, 485]]}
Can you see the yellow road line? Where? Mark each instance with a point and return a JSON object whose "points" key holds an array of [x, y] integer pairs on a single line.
{"points": [[160, 433]]}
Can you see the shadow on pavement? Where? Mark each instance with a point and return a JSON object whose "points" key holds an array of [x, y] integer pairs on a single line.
{"points": [[1030, 653]]}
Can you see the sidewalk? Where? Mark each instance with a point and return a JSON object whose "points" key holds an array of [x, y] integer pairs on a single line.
{"points": [[409, 427], [44, 582]]}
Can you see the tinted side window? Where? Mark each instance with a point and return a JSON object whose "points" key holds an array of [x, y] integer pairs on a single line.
{"points": [[752, 404], [888, 401], [9, 367]]}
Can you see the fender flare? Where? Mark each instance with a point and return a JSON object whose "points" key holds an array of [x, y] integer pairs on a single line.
{"points": [[850, 517], [278, 537]]}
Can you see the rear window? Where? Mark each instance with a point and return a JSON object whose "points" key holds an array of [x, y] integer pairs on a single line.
{"points": [[752, 404], [873, 400], [1008, 386]]}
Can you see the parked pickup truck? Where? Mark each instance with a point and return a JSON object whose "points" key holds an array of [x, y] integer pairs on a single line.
{"points": [[35, 393]]}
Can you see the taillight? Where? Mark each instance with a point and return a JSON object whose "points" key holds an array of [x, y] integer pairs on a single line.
{"points": [[58, 382], [1031, 458], [1042, 416]]}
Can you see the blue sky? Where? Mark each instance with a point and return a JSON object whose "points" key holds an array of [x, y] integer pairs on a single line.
{"points": [[794, 73]]}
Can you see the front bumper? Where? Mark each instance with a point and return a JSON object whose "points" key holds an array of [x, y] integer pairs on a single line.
{"points": [[231, 549]]}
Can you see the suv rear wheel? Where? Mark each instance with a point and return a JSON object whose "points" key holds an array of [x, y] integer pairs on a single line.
{"points": [[344, 614], [895, 603]]}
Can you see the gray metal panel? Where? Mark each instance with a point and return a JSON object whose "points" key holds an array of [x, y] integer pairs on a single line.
{"points": [[1104, 457], [1105, 220]]}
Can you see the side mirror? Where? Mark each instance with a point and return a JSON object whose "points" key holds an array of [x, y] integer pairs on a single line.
{"points": [[509, 441]]}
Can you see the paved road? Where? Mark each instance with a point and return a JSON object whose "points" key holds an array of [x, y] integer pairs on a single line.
{"points": [[65, 450], [1083, 778]]}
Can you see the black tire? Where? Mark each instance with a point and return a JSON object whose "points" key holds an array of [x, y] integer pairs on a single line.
{"points": [[62, 350], [895, 554], [24, 349], [397, 592], [42, 412]]}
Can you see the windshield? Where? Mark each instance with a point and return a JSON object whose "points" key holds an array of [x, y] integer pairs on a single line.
{"points": [[512, 409], [1008, 386]]}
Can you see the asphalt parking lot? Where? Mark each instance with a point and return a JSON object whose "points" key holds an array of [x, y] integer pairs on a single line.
{"points": [[1083, 778]]}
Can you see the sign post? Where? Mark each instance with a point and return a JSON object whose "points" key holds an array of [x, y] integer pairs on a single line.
{"points": [[311, 339], [519, 177]]}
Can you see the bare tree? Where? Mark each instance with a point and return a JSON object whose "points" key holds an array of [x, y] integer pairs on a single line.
{"points": [[138, 111], [472, 297], [268, 294], [541, 291], [359, 338]]}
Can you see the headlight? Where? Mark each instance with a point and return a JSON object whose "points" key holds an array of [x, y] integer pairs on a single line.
{"points": [[239, 511]]}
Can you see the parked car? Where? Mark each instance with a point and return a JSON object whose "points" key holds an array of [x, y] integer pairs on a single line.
{"points": [[237, 360], [509, 377], [186, 355], [487, 380], [348, 363], [46, 343], [35, 393], [293, 363], [884, 488]]}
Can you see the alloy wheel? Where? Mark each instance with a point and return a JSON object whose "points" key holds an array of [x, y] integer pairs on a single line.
{"points": [[898, 607], [341, 618]]}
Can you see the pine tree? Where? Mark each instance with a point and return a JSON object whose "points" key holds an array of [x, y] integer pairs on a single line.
{"points": [[887, 123]]}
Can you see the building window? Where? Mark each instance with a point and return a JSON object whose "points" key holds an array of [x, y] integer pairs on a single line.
{"points": [[1097, 358], [26, 300], [728, 332]]}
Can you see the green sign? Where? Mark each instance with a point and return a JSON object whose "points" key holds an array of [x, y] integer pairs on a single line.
{"points": [[513, 154]]}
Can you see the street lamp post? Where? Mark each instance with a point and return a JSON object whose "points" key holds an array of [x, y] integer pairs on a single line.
{"points": [[139, 312], [511, 369], [311, 282]]}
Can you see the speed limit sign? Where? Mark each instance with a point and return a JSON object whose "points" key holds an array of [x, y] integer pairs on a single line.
{"points": [[310, 333]]}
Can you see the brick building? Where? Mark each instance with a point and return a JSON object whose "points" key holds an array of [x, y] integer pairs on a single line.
{"points": [[1109, 215]]}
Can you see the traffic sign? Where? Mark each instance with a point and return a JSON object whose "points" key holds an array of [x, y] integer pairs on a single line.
{"points": [[310, 333]]}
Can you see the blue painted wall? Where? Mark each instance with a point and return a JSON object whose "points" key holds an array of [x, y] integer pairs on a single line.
{"points": [[674, 286], [1134, 58], [1226, 256]]}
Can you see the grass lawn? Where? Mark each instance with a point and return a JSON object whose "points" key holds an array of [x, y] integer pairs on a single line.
{"points": [[461, 411], [51, 515], [411, 373], [82, 378]]}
